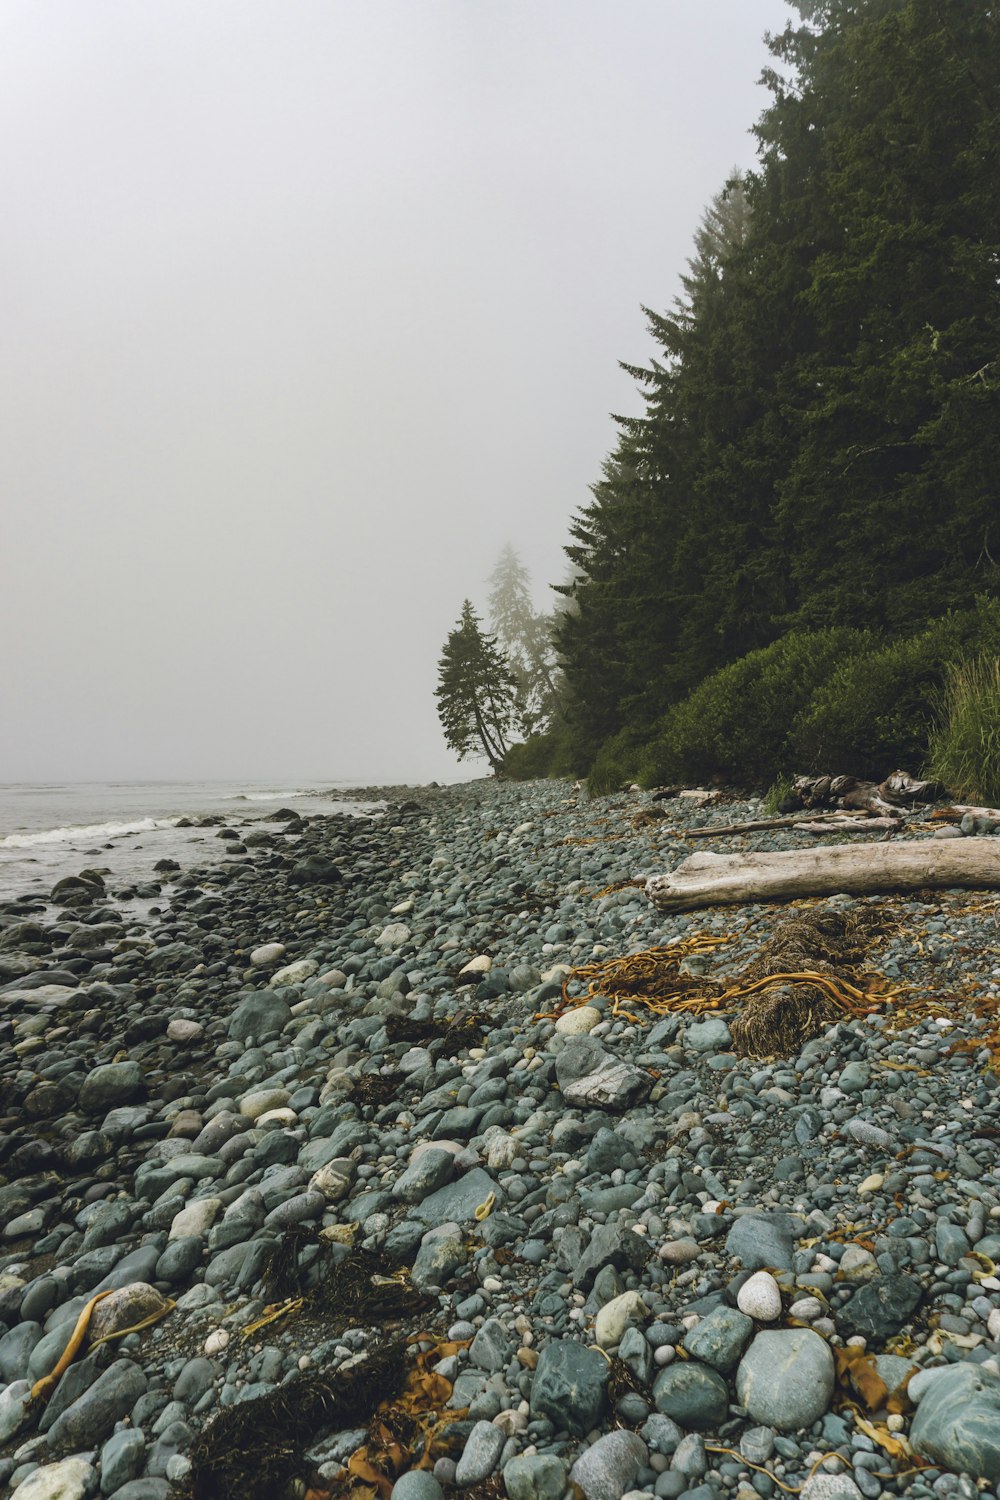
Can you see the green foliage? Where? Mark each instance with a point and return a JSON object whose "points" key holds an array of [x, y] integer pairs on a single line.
{"points": [[616, 765], [818, 445], [875, 712], [734, 726], [965, 743], [543, 755], [475, 692], [776, 794], [526, 638]]}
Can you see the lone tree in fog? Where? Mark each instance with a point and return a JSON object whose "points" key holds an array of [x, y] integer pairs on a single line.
{"points": [[526, 637], [475, 692]]}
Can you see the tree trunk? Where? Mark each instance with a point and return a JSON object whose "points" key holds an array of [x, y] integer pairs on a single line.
{"points": [[723, 879]]}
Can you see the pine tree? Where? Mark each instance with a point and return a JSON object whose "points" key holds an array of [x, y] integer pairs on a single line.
{"points": [[526, 637], [475, 692]]}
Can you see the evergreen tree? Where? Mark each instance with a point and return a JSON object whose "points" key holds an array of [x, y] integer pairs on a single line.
{"points": [[821, 436], [526, 637], [475, 692]]}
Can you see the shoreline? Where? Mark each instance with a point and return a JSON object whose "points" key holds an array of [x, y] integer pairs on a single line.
{"points": [[195, 1098]]}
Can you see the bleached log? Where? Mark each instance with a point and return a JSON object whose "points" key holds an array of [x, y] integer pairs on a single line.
{"points": [[848, 824], [759, 825], [705, 879]]}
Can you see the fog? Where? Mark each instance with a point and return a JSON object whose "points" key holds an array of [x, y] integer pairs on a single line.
{"points": [[311, 306]]}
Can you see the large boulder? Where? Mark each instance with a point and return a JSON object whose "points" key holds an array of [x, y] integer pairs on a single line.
{"points": [[786, 1378], [958, 1421]]}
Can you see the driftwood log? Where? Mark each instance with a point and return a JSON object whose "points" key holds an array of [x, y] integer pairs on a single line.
{"points": [[727, 879]]}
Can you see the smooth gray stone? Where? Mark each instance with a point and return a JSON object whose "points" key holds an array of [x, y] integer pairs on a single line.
{"points": [[635, 1351], [138, 1265], [122, 1459], [720, 1338], [951, 1242], [570, 1386], [179, 1259], [457, 1200], [879, 1309], [224, 1269], [711, 1035], [15, 1350], [491, 1349], [608, 1467], [92, 1417], [480, 1455], [109, 1085], [695, 1396], [613, 1245], [197, 1377], [661, 1433], [786, 1378], [174, 1439], [437, 1260], [15, 1411], [146, 1488], [78, 1378], [957, 1423], [427, 1174], [261, 1012], [415, 1484], [690, 1458], [537, 1476], [763, 1239]]}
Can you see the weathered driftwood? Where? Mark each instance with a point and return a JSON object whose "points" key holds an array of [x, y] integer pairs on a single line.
{"points": [[958, 810], [758, 825], [723, 879], [848, 823], [898, 790]]}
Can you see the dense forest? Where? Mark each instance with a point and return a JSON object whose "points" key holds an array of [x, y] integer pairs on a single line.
{"points": [[811, 498]]}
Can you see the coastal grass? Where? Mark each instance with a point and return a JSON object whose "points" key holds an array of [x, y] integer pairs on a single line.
{"points": [[965, 742]]}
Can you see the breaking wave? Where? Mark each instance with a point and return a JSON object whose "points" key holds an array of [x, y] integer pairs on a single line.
{"points": [[84, 831]]}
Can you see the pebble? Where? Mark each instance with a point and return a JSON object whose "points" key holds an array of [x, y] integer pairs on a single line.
{"points": [[760, 1297]]}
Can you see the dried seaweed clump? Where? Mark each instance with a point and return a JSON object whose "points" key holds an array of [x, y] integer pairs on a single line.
{"points": [[461, 1030], [252, 1450], [361, 1288], [804, 979]]}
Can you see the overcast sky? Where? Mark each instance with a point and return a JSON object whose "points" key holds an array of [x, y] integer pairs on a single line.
{"points": [[310, 306]]}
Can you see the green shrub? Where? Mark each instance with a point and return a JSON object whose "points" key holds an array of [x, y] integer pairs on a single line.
{"points": [[776, 794], [542, 756], [616, 765], [965, 743], [734, 725], [874, 713]]}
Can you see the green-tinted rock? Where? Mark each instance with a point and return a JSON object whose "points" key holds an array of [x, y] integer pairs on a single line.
{"points": [[958, 1422], [720, 1338], [570, 1386], [695, 1396]]}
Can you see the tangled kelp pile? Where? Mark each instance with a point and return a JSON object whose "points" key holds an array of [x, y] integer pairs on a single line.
{"points": [[806, 976], [462, 1030], [306, 1271], [251, 1450]]}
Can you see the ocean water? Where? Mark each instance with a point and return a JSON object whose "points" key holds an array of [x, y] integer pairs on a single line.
{"points": [[48, 830]]}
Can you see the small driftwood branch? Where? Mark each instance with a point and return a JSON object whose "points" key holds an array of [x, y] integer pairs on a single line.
{"points": [[759, 824], [706, 879], [846, 824]]}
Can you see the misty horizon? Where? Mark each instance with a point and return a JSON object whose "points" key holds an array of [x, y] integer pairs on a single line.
{"points": [[311, 311]]}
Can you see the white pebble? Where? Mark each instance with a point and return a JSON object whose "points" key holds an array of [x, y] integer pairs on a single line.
{"points": [[216, 1342], [760, 1297]]}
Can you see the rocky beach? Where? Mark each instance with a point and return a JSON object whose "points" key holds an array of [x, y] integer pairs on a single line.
{"points": [[380, 1157]]}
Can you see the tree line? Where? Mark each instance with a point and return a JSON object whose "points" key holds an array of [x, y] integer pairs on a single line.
{"points": [[819, 442]]}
